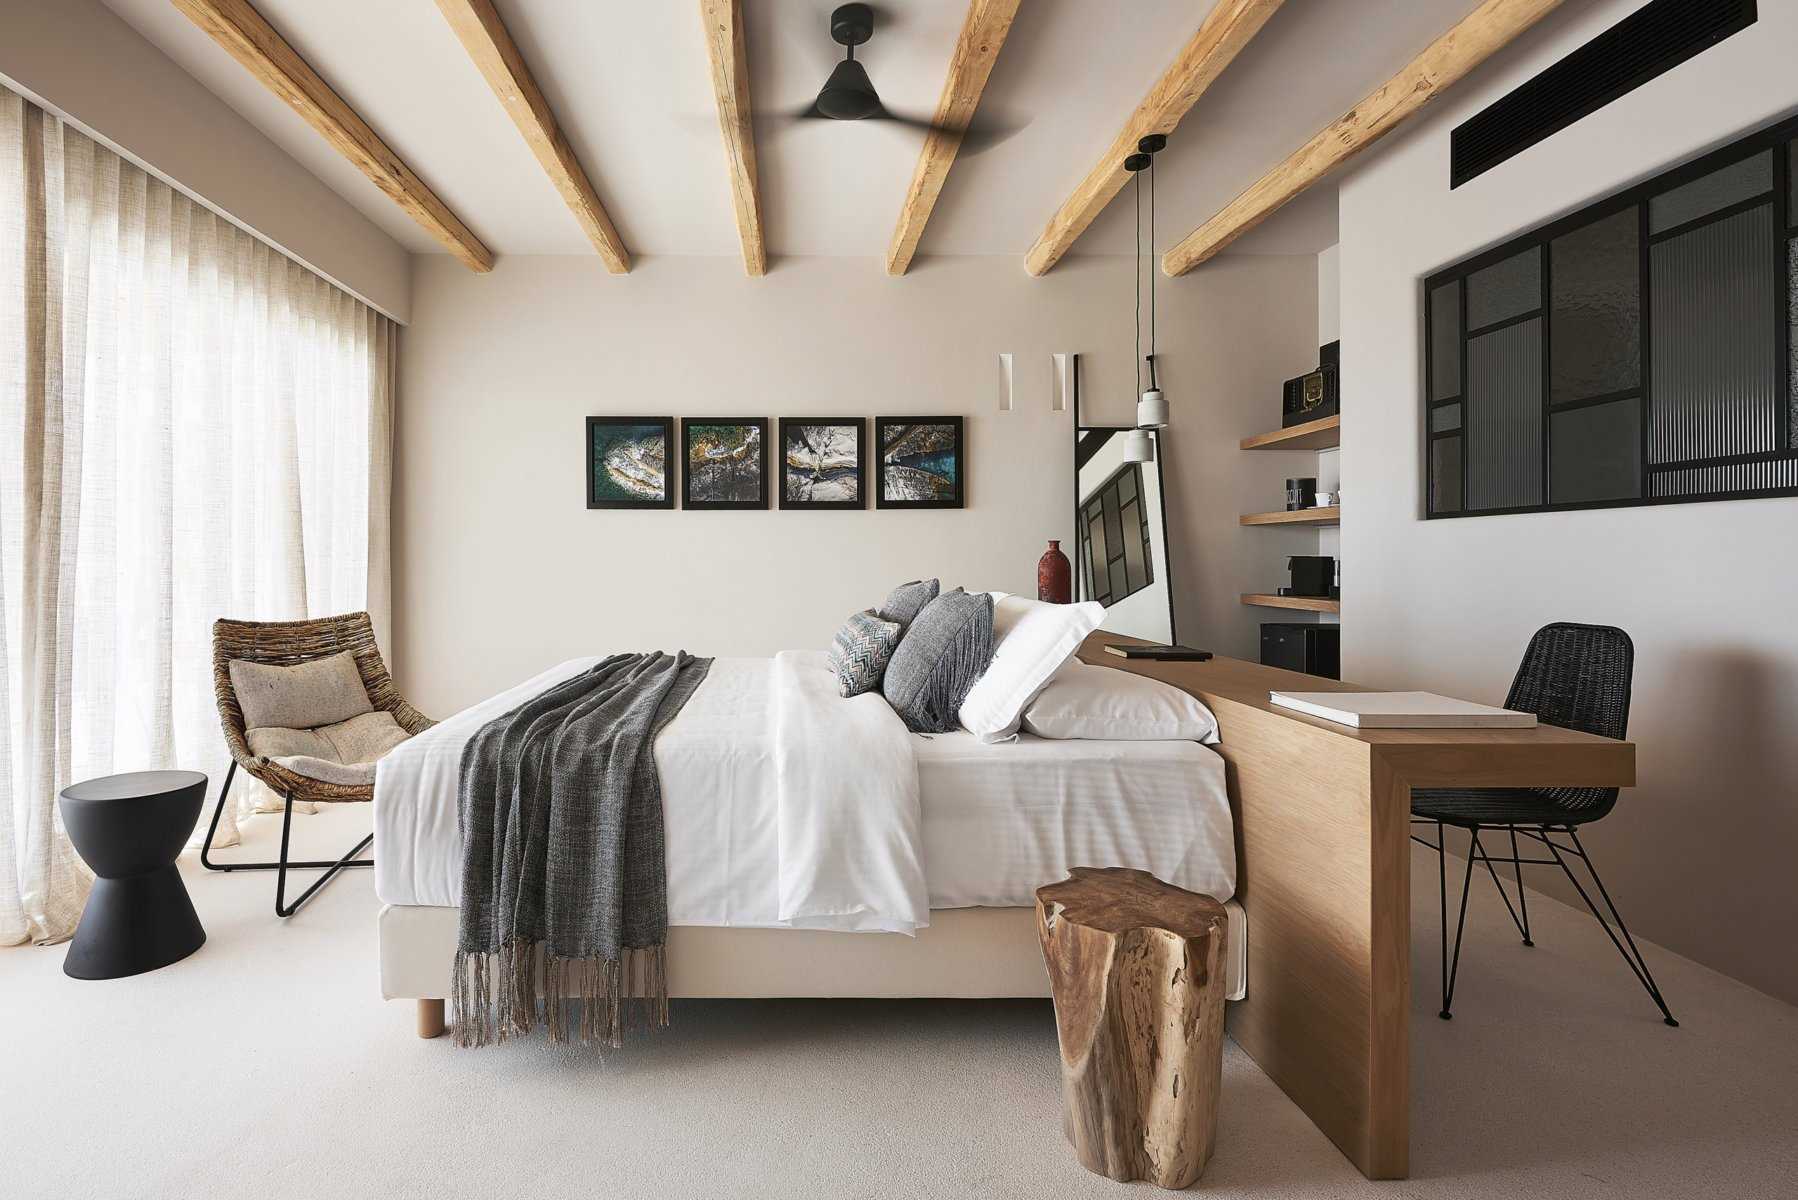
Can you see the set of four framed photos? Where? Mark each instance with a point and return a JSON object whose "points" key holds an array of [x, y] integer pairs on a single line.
{"points": [[920, 462]]}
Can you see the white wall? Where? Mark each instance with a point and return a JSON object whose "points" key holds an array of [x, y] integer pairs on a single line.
{"points": [[500, 569], [90, 66], [1700, 853]]}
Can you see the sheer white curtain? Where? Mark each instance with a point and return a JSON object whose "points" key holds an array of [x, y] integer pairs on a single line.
{"points": [[191, 426]]}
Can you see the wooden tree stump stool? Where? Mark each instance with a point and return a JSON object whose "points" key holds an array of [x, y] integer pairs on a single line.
{"points": [[1136, 967]]}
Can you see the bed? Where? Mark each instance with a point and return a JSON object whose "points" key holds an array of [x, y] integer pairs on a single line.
{"points": [[993, 822]]}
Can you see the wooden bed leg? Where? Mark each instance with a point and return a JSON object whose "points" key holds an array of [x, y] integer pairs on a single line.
{"points": [[430, 1018]]}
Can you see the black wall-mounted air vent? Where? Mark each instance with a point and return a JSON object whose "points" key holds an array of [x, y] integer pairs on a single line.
{"points": [[1649, 42]]}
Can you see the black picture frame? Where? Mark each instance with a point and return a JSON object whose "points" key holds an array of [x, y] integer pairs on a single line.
{"points": [[860, 425], [886, 429], [688, 481], [606, 495]]}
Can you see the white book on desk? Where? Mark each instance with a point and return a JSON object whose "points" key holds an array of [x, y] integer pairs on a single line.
{"points": [[1402, 710]]}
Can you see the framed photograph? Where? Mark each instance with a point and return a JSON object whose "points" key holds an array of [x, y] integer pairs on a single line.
{"points": [[630, 462], [923, 462], [726, 463], [823, 463]]}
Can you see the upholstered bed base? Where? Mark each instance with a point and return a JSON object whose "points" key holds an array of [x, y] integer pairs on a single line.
{"points": [[966, 953]]}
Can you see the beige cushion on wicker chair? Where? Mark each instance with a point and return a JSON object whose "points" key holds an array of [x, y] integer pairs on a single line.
{"points": [[344, 752], [324, 691]]}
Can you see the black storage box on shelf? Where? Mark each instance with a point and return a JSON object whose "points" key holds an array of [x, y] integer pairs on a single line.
{"points": [[1310, 648], [1316, 395], [1312, 575]]}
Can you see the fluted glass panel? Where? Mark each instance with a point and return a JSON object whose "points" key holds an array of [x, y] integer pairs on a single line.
{"points": [[1595, 453], [1504, 417], [1715, 386], [1725, 479], [1792, 338], [1720, 189], [1505, 289], [1445, 341], [1445, 475], [1595, 281]]}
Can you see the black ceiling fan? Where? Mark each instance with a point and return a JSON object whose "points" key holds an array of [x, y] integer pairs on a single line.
{"points": [[849, 95]]}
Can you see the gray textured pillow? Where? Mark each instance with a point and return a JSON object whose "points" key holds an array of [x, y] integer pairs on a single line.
{"points": [[860, 652], [907, 601], [941, 656], [304, 696]]}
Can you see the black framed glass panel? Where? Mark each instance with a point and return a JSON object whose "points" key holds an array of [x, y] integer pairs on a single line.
{"points": [[1596, 308], [1506, 289], [1712, 192], [1641, 350], [1445, 341]]}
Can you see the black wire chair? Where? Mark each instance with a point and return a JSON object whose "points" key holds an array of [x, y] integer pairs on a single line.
{"points": [[1576, 677]]}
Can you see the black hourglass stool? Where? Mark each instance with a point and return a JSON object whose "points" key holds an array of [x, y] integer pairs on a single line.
{"points": [[128, 829]]}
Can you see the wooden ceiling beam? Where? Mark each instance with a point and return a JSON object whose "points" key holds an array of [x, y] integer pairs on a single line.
{"points": [[729, 57], [1482, 33], [982, 36], [252, 41], [1226, 30], [478, 26]]}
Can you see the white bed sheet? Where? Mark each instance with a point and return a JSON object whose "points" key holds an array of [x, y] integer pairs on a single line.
{"points": [[998, 820]]}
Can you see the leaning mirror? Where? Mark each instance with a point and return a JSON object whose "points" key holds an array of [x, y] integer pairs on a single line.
{"points": [[1120, 540]]}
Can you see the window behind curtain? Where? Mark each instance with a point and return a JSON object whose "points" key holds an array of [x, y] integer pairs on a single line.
{"points": [[192, 426]]}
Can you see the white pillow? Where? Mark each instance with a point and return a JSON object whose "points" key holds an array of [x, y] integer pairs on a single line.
{"points": [[1031, 640], [1106, 704]]}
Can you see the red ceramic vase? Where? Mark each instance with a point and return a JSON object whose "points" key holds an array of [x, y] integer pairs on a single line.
{"points": [[1054, 578]]}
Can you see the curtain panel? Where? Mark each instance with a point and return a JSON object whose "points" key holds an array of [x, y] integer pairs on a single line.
{"points": [[192, 426]]}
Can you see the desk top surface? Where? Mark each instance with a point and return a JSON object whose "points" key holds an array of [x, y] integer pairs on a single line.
{"points": [[1221, 680]]}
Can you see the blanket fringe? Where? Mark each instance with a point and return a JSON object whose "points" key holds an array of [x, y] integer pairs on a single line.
{"points": [[499, 994]]}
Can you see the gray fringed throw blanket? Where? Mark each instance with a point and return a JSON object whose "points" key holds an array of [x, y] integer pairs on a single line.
{"points": [[564, 880]]}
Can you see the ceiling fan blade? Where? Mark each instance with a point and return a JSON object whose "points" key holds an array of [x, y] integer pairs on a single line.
{"points": [[978, 138]]}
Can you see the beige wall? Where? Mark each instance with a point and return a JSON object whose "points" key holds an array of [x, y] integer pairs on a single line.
{"points": [[87, 64], [1700, 854], [500, 569]]}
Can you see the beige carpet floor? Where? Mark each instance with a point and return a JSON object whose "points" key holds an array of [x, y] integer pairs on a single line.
{"points": [[267, 1066]]}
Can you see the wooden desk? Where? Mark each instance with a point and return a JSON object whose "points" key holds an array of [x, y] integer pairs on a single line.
{"points": [[1324, 874]]}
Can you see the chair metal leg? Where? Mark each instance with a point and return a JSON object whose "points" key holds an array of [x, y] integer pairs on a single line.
{"points": [[281, 865], [287, 910], [1632, 955], [1454, 969], [1442, 910], [1502, 894], [1523, 904]]}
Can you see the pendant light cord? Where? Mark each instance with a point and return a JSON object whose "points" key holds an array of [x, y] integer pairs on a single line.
{"points": [[1151, 264], [1136, 282]]}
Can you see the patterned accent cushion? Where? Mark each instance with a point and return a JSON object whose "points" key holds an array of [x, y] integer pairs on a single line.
{"points": [[861, 651], [907, 601], [941, 656], [306, 695]]}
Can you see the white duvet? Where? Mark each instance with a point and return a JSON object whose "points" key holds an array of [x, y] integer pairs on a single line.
{"points": [[787, 806]]}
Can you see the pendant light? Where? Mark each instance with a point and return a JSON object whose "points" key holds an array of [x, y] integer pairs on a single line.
{"points": [[1151, 405]]}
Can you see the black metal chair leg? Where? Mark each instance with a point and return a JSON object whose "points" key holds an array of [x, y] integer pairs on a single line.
{"points": [[1502, 894], [281, 865], [1523, 903], [1448, 993], [1442, 908], [283, 909], [1633, 955]]}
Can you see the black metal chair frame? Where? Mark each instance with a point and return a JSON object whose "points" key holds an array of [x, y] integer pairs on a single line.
{"points": [[1577, 677], [1520, 913], [281, 865]]}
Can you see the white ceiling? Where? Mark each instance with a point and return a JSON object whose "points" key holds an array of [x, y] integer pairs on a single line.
{"points": [[629, 83]]}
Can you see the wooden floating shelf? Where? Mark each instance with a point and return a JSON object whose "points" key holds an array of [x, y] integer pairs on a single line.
{"points": [[1317, 604], [1303, 516], [1324, 433]]}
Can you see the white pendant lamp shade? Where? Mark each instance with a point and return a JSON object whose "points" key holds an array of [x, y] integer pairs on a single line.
{"points": [[1139, 446], [1151, 410]]}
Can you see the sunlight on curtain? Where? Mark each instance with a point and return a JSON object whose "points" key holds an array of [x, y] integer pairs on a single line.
{"points": [[191, 426]]}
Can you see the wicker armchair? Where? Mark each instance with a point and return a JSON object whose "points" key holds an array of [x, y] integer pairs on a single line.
{"points": [[1575, 677], [287, 643]]}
